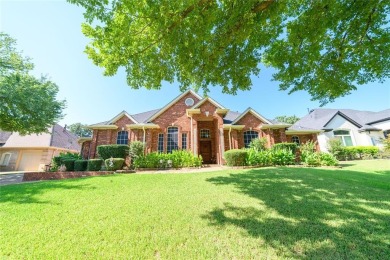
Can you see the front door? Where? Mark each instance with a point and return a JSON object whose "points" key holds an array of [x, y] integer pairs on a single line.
{"points": [[205, 151]]}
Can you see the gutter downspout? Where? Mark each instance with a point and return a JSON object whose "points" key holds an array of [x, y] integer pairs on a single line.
{"points": [[192, 138], [230, 138], [143, 128]]}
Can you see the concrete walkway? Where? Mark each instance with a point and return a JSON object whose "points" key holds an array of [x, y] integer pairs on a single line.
{"points": [[11, 178]]}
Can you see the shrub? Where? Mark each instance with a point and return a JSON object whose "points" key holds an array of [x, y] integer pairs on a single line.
{"points": [[114, 151], [114, 164], [386, 143], [335, 147], [69, 164], [265, 158], [136, 149], [252, 157], [312, 159], [94, 164], [360, 152], [307, 149], [285, 146], [328, 159], [57, 161], [80, 165], [258, 144], [282, 157], [176, 159], [235, 157]]}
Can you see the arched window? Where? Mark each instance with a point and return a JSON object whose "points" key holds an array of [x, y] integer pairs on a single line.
{"points": [[172, 139], [295, 139], [248, 136], [122, 138]]}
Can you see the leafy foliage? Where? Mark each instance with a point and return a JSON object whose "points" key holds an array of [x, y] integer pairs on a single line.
{"points": [[94, 164], [236, 157], [80, 130], [282, 157], [259, 144], [28, 104], [80, 165], [287, 119], [324, 47], [285, 146], [386, 143], [307, 149], [113, 164], [58, 160], [113, 150], [176, 159], [69, 164], [137, 149]]}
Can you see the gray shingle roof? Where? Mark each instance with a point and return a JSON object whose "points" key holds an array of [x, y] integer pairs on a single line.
{"points": [[62, 138], [319, 118], [143, 117], [230, 117], [4, 137]]}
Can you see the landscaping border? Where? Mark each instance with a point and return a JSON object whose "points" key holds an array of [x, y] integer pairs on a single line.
{"points": [[37, 176]]}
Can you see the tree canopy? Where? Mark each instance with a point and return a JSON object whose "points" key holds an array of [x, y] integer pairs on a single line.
{"points": [[28, 104], [326, 48], [287, 119], [80, 130]]}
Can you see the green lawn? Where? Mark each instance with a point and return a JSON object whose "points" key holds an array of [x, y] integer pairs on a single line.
{"points": [[234, 214]]}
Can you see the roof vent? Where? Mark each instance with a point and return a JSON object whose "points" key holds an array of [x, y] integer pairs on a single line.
{"points": [[189, 102]]}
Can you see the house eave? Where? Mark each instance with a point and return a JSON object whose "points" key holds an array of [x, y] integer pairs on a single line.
{"points": [[302, 132], [103, 127], [142, 126], [235, 127], [267, 126], [192, 111], [84, 139]]}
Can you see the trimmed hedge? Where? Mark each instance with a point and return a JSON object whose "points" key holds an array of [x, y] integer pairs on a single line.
{"points": [[80, 165], [114, 164], [69, 164], [236, 157], [94, 164], [113, 150], [176, 159], [285, 146], [360, 152]]}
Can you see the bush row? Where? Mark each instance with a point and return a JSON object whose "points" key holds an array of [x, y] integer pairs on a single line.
{"points": [[176, 159], [252, 157], [341, 152]]}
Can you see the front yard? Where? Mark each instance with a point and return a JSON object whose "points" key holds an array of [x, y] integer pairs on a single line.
{"points": [[255, 213]]}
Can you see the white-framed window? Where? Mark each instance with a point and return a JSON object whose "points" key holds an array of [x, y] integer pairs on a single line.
{"points": [[122, 137], [248, 136], [295, 139], [205, 133], [5, 158], [172, 139], [344, 136], [160, 144], [184, 141]]}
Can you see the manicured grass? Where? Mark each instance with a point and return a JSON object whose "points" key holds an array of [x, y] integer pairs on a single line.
{"points": [[273, 213]]}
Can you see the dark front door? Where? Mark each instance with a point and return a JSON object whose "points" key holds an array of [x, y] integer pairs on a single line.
{"points": [[205, 151]]}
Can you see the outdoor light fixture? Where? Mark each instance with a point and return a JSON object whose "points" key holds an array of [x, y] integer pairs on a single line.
{"points": [[207, 113]]}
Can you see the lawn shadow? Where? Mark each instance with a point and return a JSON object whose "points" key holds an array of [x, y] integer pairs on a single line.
{"points": [[312, 213], [24, 193]]}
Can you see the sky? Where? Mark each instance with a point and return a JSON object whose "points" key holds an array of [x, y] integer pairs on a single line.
{"points": [[49, 32]]}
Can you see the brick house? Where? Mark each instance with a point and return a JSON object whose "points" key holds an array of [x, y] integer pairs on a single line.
{"points": [[191, 122]]}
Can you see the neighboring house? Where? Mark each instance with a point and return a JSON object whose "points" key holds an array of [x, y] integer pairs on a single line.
{"points": [[352, 127], [193, 123], [33, 152]]}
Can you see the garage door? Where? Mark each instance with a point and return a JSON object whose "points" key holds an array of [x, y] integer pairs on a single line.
{"points": [[30, 161]]}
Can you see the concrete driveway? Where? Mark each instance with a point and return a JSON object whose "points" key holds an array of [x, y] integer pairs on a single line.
{"points": [[11, 178]]}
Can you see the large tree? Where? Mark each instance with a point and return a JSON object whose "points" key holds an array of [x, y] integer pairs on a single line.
{"points": [[27, 104], [287, 119], [80, 130], [324, 47]]}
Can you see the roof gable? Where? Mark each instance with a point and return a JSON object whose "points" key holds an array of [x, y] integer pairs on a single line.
{"points": [[209, 99], [162, 110], [345, 117], [253, 112], [119, 116]]}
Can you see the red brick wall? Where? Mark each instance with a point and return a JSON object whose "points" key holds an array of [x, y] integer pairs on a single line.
{"points": [[305, 138], [176, 115], [85, 149]]}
